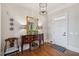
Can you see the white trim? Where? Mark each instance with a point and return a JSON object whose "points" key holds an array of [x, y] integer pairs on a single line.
{"points": [[71, 48], [60, 18], [75, 49]]}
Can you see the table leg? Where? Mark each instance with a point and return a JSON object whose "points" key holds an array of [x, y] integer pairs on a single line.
{"points": [[22, 48], [39, 43], [29, 46]]}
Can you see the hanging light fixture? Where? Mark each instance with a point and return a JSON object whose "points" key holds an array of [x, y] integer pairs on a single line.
{"points": [[43, 8]]}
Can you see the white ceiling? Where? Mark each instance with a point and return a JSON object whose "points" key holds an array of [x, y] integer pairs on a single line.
{"points": [[50, 6]]}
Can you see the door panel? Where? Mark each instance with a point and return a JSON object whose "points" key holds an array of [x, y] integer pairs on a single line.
{"points": [[60, 31]]}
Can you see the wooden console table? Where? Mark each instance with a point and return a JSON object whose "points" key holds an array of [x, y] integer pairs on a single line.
{"points": [[28, 39]]}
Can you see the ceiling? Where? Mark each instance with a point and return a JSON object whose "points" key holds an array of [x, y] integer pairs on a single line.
{"points": [[50, 6]]}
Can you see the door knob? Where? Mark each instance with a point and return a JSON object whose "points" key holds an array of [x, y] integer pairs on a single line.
{"points": [[64, 34]]}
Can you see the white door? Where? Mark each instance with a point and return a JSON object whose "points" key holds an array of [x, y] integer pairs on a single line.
{"points": [[60, 31]]}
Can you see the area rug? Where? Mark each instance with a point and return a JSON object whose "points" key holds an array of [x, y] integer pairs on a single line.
{"points": [[59, 48]]}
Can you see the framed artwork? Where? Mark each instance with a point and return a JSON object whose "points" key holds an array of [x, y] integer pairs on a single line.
{"points": [[32, 25]]}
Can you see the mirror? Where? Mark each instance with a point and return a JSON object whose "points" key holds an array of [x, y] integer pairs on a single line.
{"points": [[32, 25]]}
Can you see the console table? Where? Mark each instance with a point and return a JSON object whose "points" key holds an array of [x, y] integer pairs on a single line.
{"points": [[28, 39]]}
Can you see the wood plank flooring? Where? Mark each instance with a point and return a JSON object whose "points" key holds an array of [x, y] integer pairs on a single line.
{"points": [[46, 50]]}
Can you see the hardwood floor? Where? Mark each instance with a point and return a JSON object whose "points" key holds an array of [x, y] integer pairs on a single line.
{"points": [[46, 50]]}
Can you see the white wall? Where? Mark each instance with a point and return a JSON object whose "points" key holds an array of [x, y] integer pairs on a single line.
{"points": [[73, 23], [19, 14], [73, 38], [0, 29], [43, 20]]}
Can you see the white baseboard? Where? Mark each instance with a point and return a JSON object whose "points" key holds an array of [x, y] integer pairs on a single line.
{"points": [[47, 40], [73, 49]]}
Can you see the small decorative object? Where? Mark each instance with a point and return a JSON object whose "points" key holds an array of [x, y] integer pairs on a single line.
{"points": [[11, 19], [11, 28], [11, 24]]}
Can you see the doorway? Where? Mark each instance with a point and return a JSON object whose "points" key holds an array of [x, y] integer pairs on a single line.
{"points": [[60, 31]]}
